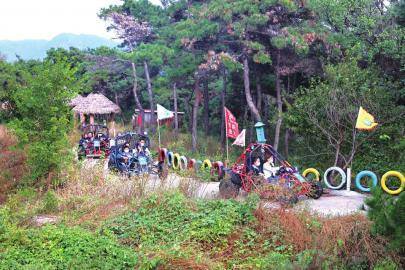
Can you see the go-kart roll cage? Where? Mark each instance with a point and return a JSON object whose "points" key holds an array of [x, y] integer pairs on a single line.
{"points": [[132, 138], [95, 128], [243, 165]]}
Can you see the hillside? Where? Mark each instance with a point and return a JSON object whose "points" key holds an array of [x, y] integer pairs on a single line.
{"points": [[36, 48]]}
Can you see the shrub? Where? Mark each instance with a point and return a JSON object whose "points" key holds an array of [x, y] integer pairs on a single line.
{"points": [[387, 213], [172, 218], [61, 248], [50, 202]]}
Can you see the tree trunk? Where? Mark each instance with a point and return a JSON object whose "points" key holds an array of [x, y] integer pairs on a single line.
{"points": [[189, 113], [251, 129], [135, 92], [206, 109], [286, 142], [197, 99], [223, 96], [259, 95], [266, 109], [116, 98], [248, 95], [150, 94], [176, 118], [337, 153], [279, 105]]}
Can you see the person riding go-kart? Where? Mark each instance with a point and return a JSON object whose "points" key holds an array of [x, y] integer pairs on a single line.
{"points": [[131, 156], [256, 170], [94, 142]]}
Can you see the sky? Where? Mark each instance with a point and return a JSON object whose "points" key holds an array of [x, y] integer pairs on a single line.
{"points": [[44, 19]]}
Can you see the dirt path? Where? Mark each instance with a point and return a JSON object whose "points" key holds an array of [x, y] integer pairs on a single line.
{"points": [[333, 203]]}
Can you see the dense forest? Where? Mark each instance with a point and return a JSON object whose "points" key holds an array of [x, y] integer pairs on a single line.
{"points": [[302, 67]]}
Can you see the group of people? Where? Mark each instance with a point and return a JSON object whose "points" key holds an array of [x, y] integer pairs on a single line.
{"points": [[141, 149], [267, 169], [86, 138]]}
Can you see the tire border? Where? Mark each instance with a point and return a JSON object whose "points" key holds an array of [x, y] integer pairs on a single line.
{"points": [[360, 175], [384, 179], [342, 174]]}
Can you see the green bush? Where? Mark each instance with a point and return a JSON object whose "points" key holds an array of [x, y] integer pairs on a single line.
{"points": [[50, 202], [173, 218], [387, 213], [60, 248]]}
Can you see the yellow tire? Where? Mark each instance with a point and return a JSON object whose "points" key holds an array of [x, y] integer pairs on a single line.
{"points": [[313, 171], [176, 161], [206, 164], [384, 179]]}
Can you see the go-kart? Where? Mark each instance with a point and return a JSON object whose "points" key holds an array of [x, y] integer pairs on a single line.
{"points": [[288, 186], [94, 142], [138, 160]]}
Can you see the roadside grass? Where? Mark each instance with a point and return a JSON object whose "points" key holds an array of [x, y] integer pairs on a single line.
{"points": [[12, 163], [140, 223], [170, 228]]}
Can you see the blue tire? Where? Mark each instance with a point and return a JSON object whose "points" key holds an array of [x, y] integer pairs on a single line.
{"points": [[362, 174], [170, 158]]}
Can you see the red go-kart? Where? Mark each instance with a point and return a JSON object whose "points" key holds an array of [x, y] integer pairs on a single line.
{"points": [[286, 185]]}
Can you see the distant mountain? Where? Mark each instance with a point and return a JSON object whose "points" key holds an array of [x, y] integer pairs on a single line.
{"points": [[36, 48]]}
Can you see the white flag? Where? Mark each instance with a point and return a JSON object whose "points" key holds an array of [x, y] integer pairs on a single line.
{"points": [[163, 113], [240, 140]]}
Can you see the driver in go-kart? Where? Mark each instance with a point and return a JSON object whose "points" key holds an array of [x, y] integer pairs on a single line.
{"points": [[270, 170], [125, 154], [90, 137], [143, 155], [142, 149]]}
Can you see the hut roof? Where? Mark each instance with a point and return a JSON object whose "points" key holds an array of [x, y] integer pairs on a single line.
{"points": [[96, 104], [76, 100]]}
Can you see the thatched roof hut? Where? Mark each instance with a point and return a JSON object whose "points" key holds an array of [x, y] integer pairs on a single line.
{"points": [[76, 100], [96, 104]]}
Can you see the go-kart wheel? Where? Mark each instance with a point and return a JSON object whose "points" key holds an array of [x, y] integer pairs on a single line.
{"points": [[288, 199], [316, 191], [227, 189], [163, 170]]}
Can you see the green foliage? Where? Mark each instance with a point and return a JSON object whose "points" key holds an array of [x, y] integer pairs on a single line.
{"points": [[387, 213], [324, 116], [43, 115], [59, 248], [173, 219], [50, 202]]}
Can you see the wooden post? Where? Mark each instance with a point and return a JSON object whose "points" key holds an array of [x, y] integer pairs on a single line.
{"points": [[113, 124], [82, 118]]}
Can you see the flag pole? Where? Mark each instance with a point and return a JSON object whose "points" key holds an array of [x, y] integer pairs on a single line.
{"points": [[158, 131], [226, 139], [227, 151]]}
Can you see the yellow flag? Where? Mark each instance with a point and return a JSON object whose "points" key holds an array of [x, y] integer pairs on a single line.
{"points": [[365, 121]]}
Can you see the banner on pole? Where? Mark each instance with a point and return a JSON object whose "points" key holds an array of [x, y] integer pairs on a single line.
{"points": [[163, 113], [365, 121], [231, 126], [241, 139]]}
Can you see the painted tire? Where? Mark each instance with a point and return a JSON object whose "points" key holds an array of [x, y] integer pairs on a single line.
{"points": [[170, 157], [198, 165], [206, 164], [384, 179], [176, 161], [167, 156], [162, 154], [183, 163], [191, 163], [342, 174], [362, 174], [312, 171]]}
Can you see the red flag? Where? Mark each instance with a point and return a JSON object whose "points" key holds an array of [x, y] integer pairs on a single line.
{"points": [[232, 128]]}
